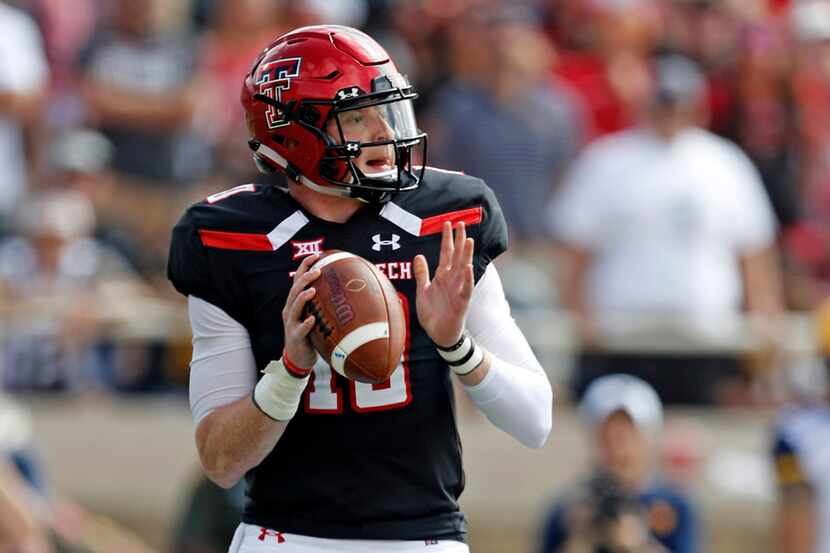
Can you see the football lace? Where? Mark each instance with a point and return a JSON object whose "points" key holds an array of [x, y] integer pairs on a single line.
{"points": [[320, 321]]}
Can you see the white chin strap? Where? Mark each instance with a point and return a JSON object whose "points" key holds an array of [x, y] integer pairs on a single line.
{"points": [[391, 174], [275, 157]]}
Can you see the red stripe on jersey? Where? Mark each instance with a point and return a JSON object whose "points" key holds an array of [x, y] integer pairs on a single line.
{"points": [[235, 240], [471, 216]]}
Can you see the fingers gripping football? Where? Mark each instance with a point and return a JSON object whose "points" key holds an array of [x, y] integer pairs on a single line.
{"points": [[442, 302], [298, 348]]}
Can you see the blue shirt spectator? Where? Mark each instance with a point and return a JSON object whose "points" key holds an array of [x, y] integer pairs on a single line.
{"points": [[670, 518], [621, 507]]}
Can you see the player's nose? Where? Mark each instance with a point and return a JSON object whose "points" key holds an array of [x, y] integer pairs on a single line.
{"points": [[381, 130]]}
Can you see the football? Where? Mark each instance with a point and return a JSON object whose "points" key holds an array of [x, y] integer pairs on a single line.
{"points": [[360, 327]]}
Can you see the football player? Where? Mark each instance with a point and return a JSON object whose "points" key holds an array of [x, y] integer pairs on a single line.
{"points": [[331, 464]]}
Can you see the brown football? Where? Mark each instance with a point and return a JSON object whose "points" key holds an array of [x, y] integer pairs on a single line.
{"points": [[360, 326]]}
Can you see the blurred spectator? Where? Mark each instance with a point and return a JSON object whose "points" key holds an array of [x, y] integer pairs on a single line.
{"points": [[666, 229], [800, 452], [237, 30], [140, 88], [210, 517], [622, 507], [603, 49], [23, 76], [810, 242], [20, 531], [79, 160], [56, 279], [67, 26], [21, 485], [35, 520], [502, 119]]}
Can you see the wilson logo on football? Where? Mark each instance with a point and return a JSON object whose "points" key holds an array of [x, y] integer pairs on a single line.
{"points": [[273, 77], [379, 243]]}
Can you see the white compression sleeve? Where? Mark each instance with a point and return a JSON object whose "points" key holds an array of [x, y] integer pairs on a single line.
{"points": [[515, 395], [223, 369]]}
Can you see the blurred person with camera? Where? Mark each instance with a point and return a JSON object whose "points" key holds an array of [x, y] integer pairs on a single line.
{"points": [[666, 236], [620, 507]]}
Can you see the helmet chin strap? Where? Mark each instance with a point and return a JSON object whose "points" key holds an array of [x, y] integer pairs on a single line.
{"points": [[276, 158]]}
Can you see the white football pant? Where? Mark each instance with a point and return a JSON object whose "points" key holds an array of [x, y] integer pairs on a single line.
{"points": [[255, 539]]}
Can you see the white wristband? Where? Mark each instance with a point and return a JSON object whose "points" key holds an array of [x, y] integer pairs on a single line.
{"points": [[464, 358], [278, 393]]}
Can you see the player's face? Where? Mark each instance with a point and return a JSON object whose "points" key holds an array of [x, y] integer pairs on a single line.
{"points": [[367, 125], [623, 448]]}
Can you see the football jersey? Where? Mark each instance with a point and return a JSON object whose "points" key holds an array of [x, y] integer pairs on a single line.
{"points": [[357, 461], [801, 453]]}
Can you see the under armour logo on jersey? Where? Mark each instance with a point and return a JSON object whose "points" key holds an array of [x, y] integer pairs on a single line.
{"points": [[265, 532], [351, 92], [303, 249], [378, 243]]}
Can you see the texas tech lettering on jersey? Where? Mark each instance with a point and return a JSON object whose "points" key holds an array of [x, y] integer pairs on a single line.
{"points": [[325, 472], [396, 270]]}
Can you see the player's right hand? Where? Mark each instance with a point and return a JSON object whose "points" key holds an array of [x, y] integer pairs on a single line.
{"points": [[298, 347]]}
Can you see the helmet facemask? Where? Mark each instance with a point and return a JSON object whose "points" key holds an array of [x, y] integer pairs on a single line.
{"points": [[378, 128]]}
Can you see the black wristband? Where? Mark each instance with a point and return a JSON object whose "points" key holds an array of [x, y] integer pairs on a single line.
{"points": [[464, 359], [453, 347]]}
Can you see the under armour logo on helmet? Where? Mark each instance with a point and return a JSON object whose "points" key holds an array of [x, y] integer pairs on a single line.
{"points": [[378, 243], [353, 147], [351, 92]]}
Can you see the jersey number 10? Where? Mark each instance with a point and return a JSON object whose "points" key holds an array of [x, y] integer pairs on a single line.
{"points": [[365, 398]]}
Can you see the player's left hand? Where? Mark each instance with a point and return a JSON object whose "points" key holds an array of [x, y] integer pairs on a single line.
{"points": [[442, 302]]}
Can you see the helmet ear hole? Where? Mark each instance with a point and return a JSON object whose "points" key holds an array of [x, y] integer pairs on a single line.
{"points": [[328, 169], [309, 114]]}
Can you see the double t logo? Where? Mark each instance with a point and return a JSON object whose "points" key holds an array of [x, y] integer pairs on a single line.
{"points": [[274, 76]]}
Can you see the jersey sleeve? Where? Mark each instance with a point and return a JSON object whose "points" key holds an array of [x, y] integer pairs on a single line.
{"points": [[195, 272], [492, 239]]}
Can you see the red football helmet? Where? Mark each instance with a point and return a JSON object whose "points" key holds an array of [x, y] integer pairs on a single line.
{"points": [[310, 84]]}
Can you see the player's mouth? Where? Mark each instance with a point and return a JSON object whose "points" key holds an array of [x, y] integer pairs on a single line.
{"points": [[379, 167]]}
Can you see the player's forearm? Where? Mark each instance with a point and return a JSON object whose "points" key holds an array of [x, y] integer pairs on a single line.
{"points": [[235, 438], [516, 400]]}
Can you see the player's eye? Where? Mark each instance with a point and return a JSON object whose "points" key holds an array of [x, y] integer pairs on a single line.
{"points": [[354, 118]]}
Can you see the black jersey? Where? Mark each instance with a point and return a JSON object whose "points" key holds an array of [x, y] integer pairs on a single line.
{"points": [[357, 461]]}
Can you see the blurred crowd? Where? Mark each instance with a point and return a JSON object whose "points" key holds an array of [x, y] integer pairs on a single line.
{"points": [[663, 166], [116, 115]]}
